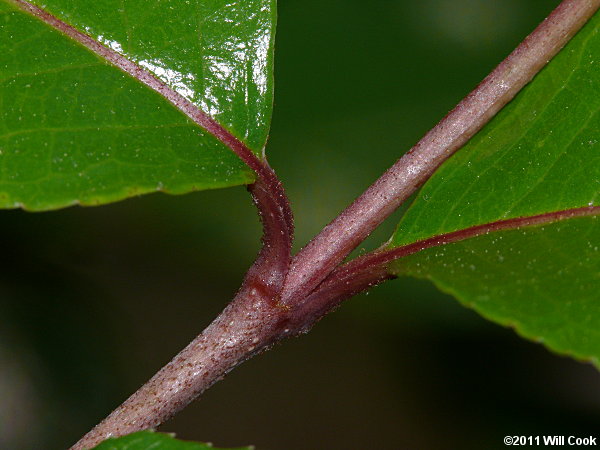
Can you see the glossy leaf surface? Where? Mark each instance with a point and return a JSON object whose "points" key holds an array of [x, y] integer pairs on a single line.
{"points": [[543, 281], [144, 440], [75, 129], [540, 154]]}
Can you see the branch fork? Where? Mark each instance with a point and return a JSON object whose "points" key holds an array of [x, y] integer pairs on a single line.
{"points": [[282, 295]]}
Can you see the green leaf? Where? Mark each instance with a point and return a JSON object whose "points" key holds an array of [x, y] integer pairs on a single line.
{"points": [[146, 440], [544, 281], [540, 154], [75, 129]]}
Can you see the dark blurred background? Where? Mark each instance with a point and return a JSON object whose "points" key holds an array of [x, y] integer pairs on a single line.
{"points": [[94, 300]]}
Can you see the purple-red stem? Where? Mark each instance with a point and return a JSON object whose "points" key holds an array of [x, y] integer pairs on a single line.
{"points": [[329, 248], [252, 320], [248, 325], [368, 270], [275, 302]]}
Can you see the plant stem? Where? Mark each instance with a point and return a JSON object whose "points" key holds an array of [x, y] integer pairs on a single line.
{"points": [[273, 302], [373, 268], [249, 324], [329, 248]]}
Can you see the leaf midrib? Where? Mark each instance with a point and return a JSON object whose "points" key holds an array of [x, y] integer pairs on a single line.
{"points": [[478, 230], [192, 111]]}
